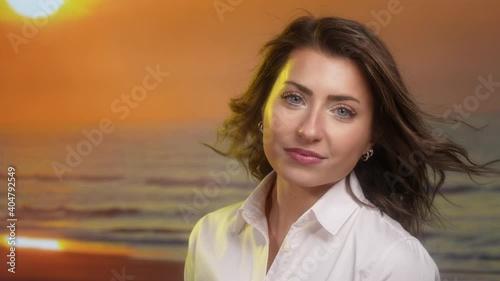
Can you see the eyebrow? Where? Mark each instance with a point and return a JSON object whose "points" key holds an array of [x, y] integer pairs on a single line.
{"points": [[309, 92]]}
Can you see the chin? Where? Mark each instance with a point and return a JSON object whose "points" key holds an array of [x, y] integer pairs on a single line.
{"points": [[305, 177]]}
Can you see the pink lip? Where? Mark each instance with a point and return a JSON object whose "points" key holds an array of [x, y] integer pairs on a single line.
{"points": [[304, 156]]}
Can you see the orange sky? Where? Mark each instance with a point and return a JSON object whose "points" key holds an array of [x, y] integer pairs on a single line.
{"points": [[91, 52]]}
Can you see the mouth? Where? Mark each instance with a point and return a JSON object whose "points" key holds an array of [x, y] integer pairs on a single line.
{"points": [[304, 157]]}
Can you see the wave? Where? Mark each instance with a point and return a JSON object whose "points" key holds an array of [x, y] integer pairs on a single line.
{"points": [[131, 240], [118, 235], [65, 212], [461, 189], [82, 178], [471, 256], [158, 181], [167, 182], [147, 230]]}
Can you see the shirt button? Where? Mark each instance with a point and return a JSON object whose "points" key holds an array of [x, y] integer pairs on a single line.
{"points": [[286, 247]]}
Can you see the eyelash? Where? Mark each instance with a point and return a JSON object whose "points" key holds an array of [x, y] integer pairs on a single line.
{"points": [[351, 111], [286, 95]]}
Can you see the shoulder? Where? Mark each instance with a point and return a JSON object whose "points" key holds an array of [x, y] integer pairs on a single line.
{"points": [[395, 253], [204, 236], [222, 218], [381, 227], [406, 260]]}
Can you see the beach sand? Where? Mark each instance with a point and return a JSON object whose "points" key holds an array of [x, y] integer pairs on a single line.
{"points": [[43, 265]]}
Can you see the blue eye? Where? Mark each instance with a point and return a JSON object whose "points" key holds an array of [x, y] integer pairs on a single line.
{"points": [[344, 112], [291, 98]]}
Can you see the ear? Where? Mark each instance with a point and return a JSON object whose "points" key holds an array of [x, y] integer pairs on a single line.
{"points": [[373, 140], [369, 145]]}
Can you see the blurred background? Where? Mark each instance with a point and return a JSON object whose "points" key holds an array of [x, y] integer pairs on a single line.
{"points": [[104, 105]]}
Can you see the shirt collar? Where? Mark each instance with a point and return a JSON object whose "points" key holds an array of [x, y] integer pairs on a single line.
{"points": [[332, 210], [335, 207], [253, 209]]}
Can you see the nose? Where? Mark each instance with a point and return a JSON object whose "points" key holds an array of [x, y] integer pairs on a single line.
{"points": [[311, 128]]}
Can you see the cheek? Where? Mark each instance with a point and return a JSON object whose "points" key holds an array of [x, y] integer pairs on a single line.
{"points": [[349, 141], [281, 121]]}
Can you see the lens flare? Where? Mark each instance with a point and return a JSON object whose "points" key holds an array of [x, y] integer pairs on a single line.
{"points": [[35, 243]]}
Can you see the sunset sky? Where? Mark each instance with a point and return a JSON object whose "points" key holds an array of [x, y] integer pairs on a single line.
{"points": [[71, 69]]}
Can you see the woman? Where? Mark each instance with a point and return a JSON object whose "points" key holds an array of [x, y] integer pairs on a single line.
{"points": [[348, 168]]}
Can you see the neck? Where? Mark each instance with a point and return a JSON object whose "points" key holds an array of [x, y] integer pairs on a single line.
{"points": [[287, 202]]}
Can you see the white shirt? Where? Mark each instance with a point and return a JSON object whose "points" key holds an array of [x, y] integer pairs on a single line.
{"points": [[336, 239]]}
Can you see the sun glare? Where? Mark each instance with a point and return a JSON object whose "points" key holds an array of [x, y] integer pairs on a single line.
{"points": [[35, 8], [35, 243]]}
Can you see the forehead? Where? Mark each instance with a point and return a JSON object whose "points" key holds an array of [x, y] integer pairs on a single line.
{"points": [[324, 74]]}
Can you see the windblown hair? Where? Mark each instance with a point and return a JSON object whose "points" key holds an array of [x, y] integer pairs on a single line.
{"points": [[410, 159]]}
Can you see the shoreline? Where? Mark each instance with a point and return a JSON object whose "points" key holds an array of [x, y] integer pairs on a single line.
{"points": [[43, 265]]}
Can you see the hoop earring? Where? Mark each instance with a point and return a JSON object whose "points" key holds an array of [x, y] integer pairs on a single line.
{"points": [[260, 126], [367, 155]]}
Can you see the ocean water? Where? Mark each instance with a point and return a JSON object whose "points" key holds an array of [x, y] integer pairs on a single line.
{"points": [[144, 188]]}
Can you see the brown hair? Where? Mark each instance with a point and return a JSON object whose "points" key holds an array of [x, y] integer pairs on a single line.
{"points": [[409, 162]]}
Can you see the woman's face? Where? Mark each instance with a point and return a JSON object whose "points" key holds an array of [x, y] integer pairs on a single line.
{"points": [[319, 104]]}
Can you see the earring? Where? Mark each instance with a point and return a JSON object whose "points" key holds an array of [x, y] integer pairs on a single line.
{"points": [[260, 126], [367, 155]]}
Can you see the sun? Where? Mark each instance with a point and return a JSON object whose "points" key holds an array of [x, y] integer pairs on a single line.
{"points": [[35, 8]]}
